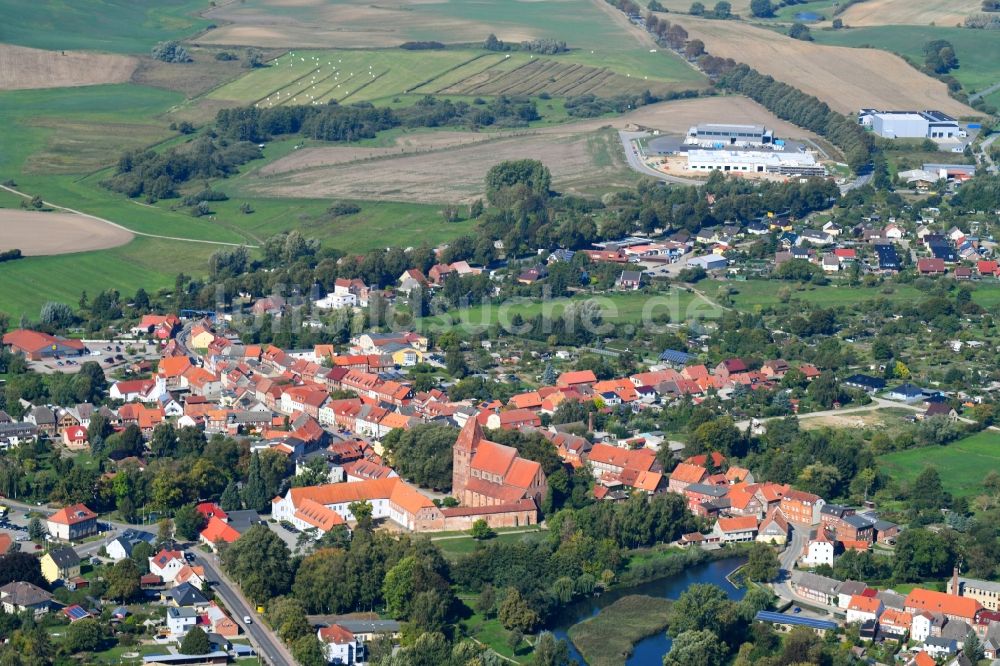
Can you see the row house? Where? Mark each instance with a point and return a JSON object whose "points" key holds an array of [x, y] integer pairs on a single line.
{"points": [[734, 530], [802, 507], [306, 399]]}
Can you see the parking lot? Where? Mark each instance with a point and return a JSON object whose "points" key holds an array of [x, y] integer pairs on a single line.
{"points": [[109, 354]]}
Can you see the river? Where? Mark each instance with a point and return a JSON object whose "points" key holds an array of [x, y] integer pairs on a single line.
{"points": [[650, 651]]}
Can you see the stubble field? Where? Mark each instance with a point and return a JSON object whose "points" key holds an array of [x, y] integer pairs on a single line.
{"points": [[23, 68], [846, 79], [908, 12], [42, 234]]}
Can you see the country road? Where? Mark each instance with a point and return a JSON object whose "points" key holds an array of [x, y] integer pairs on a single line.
{"points": [[634, 161], [122, 227], [267, 644]]}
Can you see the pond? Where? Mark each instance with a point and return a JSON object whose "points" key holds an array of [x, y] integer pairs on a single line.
{"points": [[652, 649], [808, 16]]}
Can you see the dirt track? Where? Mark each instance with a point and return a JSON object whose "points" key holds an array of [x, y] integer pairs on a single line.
{"points": [[37, 233], [23, 68], [847, 79]]}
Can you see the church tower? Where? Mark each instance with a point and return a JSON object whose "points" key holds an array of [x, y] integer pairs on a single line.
{"points": [[462, 452]]}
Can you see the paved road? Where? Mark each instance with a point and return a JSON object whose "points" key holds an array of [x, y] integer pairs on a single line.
{"points": [[635, 161], [985, 151], [791, 553], [267, 644], [984, 92], [122, 227], [272, 650]]}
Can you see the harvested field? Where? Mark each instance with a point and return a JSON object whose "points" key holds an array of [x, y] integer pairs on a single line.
{"points": [[41, 234], [450, 166], [303, 24], [907, 12], [523, 75], [193, 78], [454, 174], [846, 79], [72, 146], [23, 68]]}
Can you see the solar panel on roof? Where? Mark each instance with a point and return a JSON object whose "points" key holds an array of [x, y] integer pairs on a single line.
{"points": [[75, 613], [813, 623]]}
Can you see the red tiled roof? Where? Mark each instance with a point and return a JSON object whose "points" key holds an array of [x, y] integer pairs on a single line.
{"points": [[34, 341], [335, 634], [738, 524], [72, 515], [939, 602], [216, 531], [687, 473]]}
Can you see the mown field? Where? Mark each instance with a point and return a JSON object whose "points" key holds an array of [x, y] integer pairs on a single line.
{"points": [[116, 26], [962, 464], [978, 51], [907, 12], [319, 77]]}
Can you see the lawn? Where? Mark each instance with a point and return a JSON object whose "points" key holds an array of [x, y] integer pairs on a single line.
{"points": [[752, 294], [455, 546], [608, 638], [491, 633], [962, 464], [118, 26], [978, 51]]}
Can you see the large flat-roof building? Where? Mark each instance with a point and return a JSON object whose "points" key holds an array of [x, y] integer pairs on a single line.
{"points": [[754, 161], [910, 124], [722, 134]]}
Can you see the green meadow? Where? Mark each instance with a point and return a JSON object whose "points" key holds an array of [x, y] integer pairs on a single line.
{"points": [[118, 26], [962, 464]]}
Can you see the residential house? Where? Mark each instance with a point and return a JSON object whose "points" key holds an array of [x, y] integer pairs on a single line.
{"points": [[802, 507], [19, 596], [740, 529], [181, 620], [340, 645], [629, 280], [72, 523], [866, 383], [75, 438], [815, 587], [862, 609], [895, 623], [166, 564], [683, 475], [819, 549], [773, 529], [121, 546], [60, 564]]}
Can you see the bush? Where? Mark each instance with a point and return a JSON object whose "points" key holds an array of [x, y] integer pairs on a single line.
{"points": [[225, 56], [421, 46], [171, 51], [341, 208]]}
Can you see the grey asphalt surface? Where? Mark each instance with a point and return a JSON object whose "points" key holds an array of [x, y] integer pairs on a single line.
{"points": [[636, 163]]}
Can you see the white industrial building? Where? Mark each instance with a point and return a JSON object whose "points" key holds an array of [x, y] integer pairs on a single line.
{"points": [[754, 161], [708, 262], [718, 135], [910, 124]]}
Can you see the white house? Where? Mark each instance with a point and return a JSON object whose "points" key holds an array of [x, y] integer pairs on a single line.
{"points": [[181, 620], [863, 609], [166, 564], [819, 550], [336, 301], [340, 645], [142, 390], [920, 628]]}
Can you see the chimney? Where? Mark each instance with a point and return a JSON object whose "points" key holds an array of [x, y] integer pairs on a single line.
{"points": [[590, 422], [954, 582]]}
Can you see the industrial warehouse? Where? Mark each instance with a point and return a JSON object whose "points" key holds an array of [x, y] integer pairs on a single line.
{"points": [[910, 124], [721, 135], [754, 161]]}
